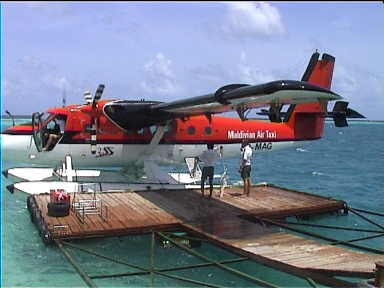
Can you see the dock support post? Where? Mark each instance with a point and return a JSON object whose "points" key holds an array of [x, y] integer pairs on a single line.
{"points": [[379, 275]]}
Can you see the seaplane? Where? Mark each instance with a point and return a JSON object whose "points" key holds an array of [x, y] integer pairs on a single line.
{"points": [[114, 133]]}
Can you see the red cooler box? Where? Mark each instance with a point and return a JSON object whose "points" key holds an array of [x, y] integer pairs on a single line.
{"points": [[59, 196]]}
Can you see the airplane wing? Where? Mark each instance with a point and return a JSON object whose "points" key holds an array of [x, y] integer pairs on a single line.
{"points": [[232, 97], [139, 114]]}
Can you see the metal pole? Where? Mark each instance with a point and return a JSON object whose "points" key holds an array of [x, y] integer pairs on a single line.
{"points": [[152, 258], [118, 261], [234, 271], [189, 280], [169, 269], [77, 267], [146, 271], [311, 282]]}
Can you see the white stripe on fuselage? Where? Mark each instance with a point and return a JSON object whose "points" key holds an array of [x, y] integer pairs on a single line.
{"points": [[21, 149]]}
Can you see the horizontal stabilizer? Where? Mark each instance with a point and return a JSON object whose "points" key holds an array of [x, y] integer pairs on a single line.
{"points": [[340, 113]]}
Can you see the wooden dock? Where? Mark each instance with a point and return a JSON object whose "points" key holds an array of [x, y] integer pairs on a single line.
{"points": [[220, 220]]}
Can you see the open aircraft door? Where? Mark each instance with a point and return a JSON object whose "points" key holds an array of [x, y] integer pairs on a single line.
{"points": [[38, 133]]}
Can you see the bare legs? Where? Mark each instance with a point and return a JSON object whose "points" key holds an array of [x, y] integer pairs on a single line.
{"points": [[51, 139], [210, 187], [247, 186]]}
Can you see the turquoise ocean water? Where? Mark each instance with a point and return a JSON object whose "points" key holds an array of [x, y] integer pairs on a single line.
{"points": [[346, 164]]}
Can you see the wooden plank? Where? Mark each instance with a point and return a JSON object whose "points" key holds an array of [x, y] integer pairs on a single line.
{"points": [[217, 219]]}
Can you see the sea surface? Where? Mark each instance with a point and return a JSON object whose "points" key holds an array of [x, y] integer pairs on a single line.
{"points": [[346, 164]]}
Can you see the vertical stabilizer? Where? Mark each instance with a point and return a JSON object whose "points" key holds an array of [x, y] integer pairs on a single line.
{"points": [[308, 119]]}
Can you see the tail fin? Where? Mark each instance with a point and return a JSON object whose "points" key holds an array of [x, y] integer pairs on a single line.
{"points": [[308, 119], [320, 72]]}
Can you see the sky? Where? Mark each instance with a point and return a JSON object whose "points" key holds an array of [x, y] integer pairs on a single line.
{"points": [[173, 50]]}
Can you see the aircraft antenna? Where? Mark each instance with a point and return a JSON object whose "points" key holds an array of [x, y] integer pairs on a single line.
{"points": [[64, 97], [11, 116]]}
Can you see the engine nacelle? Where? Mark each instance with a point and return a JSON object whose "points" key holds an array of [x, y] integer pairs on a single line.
{"points": [[134, 115]]}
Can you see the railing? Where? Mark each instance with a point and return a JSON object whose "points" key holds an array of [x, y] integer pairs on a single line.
{"points": [[60, 231], [84, 207], [89, 207]]}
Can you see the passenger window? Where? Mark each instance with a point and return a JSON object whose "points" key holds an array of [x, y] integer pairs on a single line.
{"points": [[152, 129], [191, 130], [141, 131], [208, 130]]}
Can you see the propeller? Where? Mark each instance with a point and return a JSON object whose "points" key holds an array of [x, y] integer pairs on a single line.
{"points": [[94, 120]]}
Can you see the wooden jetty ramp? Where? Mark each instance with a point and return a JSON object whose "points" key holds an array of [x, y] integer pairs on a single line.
{"points": [[224, 220]]}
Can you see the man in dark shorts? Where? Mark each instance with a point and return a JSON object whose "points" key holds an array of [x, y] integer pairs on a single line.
{"points": [[245, 166], [209, 158]]}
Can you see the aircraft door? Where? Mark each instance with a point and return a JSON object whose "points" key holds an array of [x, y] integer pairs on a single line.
{"points": [[48, 130], [38, 132]]}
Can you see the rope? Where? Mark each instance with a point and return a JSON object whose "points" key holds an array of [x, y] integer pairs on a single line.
{"points": [[187, 237], [331, 227], [377, 251], [369, 212], [365, 218], [357, 239]]}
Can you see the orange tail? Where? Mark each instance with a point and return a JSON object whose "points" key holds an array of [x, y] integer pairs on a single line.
{"points": [[308, 119]]}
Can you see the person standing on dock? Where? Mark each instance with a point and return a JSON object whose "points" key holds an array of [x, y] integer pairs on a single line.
{"points": [[209, 158], [245, 166]]}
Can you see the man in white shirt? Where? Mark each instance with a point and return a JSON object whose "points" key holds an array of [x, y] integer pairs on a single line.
{"points": [[209, 158], [245, 166]]}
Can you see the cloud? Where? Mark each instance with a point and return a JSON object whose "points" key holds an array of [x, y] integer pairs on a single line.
{"points": [[37, 84], [61, 83], [342, 24], [159, 77], [251, 75], [364, 96], [209, 77], [214, 74], [119, 22], [346, 80], [50, 8], [252, 19]]}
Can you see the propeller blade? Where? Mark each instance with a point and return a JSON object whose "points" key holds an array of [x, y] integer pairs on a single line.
{"points": [[99, 92], [94, 135]]}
